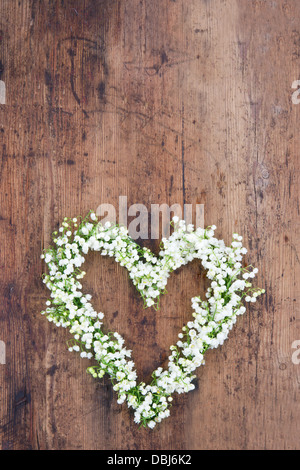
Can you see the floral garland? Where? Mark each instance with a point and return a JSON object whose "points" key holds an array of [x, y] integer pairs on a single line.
{"points": [[213, 318]]}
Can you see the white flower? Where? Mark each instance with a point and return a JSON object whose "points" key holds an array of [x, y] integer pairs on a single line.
{"points": [[48, 258], [151, 424]]}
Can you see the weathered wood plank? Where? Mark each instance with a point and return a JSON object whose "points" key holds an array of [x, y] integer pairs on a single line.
{"points": [[164, 102]]}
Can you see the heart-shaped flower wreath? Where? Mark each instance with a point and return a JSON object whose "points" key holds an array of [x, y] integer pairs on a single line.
{"points": [[213, 318]]}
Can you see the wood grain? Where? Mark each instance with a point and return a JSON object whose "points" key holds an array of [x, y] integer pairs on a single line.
{"points": [[164, 101]]}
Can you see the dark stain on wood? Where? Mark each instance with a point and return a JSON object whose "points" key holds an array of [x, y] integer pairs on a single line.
{"points": [[101, 91]]}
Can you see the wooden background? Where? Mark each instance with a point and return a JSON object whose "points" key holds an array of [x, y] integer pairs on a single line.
{"points": [[164, 101]]}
